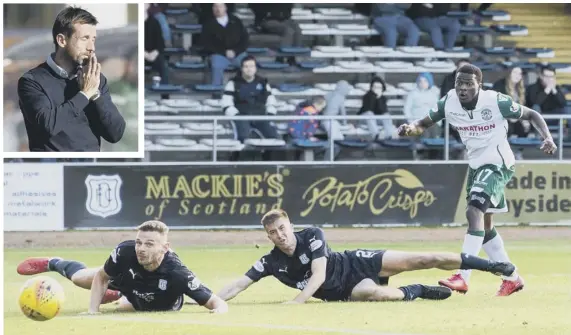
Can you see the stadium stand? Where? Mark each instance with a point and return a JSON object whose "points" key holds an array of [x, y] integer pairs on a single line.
{"points": [[184, 119]]}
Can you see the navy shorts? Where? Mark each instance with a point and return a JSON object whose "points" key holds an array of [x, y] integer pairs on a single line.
{"points": [[357, 265]]}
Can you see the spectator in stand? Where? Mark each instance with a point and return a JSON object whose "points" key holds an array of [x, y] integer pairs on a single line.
{"points": [[306, 129], [336, 106], [514, 86], [157, 10], [205, 13], [375, 103], [225, 40], [547, 95], [422, 98], [275, 18], [250, 94], [390, 21], [432, 18], [155, 45]]}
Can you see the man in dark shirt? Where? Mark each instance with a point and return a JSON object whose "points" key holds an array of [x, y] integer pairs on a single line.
{"points": [[147, 273], [547, 95], [65, 101], [432, 18], [303, 260], [225, 40], [249, 94]]}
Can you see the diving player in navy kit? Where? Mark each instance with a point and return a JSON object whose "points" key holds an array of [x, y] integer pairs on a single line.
{"points": [[303, 260], [148, 274]]}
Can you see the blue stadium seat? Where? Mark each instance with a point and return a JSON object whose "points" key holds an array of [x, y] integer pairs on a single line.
{"points": [[459, 14], [294, 51], [167, 88], [272, 65], [560, 65], [524, 142], [492, 13], [499, 51], [176, 11], [354, 144], [398, 143], [293, 87], [307, 144], [191, 28], [310, 65], [523, 65], [189, 65], [508, 28], [438, 142], [175, 51], [473, 29], [553, 128], [148, 68], [532, 52], [257, 51], [485, 66], [208, 88]]}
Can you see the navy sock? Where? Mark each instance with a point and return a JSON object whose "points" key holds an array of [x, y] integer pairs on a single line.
{"points": [[65, 268], [411, 292], [470, 262]]}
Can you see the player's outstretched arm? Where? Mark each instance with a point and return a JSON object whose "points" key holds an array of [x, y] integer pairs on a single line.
{"points": [[416, 128], [98, 288], [216, 305], [234, 288], [539, 123], [318, 267]]}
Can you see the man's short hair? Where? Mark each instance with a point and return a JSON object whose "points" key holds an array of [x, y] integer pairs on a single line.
{"points": [[273, 215], [247, 58], [462, 60], [471, 69], [547, 67], [154, 225], [67, 18]]}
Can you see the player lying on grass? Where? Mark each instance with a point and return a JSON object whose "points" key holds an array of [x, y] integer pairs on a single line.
{"points": [[146, 272], [481, 120], [303, 260]]}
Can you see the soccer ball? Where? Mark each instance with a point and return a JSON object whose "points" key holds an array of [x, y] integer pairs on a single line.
{"points": [[41, 298]]}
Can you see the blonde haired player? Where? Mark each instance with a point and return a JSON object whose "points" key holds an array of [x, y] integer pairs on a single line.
{"points": [[147, 273], [481, 120]]}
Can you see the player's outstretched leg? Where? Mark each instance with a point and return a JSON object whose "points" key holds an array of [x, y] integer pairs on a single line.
{"points": [[395, 262], [494, 248], [77, 272], [368, 290]]}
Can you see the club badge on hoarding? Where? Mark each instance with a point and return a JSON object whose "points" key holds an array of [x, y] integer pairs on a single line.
{"points": [[103, 195]]}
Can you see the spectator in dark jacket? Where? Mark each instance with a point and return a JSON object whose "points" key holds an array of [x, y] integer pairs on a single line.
{"points": [[275, 18], [205, 11], [431, 18], [249, 94], [155, 45], [225, 40], [513, 85], [375, 103], [546, 94], [390, 21]]}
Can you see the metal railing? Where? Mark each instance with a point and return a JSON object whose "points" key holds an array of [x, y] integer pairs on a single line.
{"points": [[215, 119]]}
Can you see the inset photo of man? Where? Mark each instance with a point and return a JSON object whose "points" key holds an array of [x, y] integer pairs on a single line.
{"points": [[71, 79]]}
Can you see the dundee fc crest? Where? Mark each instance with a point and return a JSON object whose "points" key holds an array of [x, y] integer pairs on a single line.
{"points": [[103, 195]]}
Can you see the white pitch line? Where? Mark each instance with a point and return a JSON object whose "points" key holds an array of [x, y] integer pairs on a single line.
{"points": [[243, 325]]}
